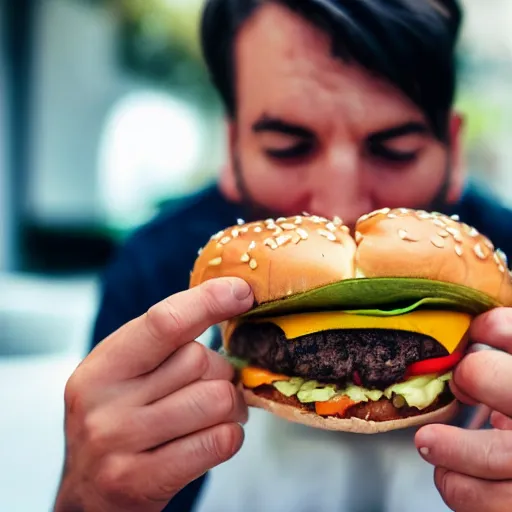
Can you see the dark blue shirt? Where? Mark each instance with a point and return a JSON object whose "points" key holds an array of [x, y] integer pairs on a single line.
{"points": [[156, 262]]}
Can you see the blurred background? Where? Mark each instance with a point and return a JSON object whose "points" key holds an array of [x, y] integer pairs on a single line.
{"points": [[106, 115]]}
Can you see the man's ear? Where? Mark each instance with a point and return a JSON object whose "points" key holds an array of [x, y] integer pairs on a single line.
{"points": [[227, 181], [457, 158]]}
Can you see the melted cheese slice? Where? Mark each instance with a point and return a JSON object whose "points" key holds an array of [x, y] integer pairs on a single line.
{"points": [[447, 327], [253, 377]]}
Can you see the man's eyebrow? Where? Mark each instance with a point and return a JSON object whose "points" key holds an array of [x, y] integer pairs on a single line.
{"points": [[276, 125], [398, 131]]}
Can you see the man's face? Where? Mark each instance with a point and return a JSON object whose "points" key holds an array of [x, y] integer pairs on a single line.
{"points": [[315, 134]]}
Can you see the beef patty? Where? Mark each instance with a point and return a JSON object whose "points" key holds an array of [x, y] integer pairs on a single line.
{"points": [[379, 356]]}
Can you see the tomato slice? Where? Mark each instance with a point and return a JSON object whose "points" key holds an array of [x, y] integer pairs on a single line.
{"points": [[337, 405], [436, 365]]}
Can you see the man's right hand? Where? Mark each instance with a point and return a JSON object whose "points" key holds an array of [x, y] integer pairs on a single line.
{"points": [[150, 409]]}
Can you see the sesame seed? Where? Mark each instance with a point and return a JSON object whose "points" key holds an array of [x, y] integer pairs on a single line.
{"points": [[316, 219], [258, 229], [215, 262], [498, 261], [363, 218], [217, 235], [502, 256], [240, 222], [455, 233], [288, 227], [296, 238], [455, 218], [473, 232], [345, 229], [270, 242], [359, 237], [392, 216], [403, 210], [439, 223], [443, 233], [298, 220], [331, 227], [404, 235], [277, 231], [245, 258], [479, 251], [305, 214], [337, 221], [252, 245], [326, 234], [225, 240], [302, 233], [253, 264], [200, 251], [281, 219], [283, 239], [437, 241], [422, 214], [245, 229], [489, 244], [458, 250], [235, 233]]}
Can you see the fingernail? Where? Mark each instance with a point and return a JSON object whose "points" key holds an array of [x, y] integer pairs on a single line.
{"points": [[425, 441], [241, 290]]}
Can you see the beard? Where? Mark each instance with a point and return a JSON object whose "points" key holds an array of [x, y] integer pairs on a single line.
{"points": [[254, 211]]}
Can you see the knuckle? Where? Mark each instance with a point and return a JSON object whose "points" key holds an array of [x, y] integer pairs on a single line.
{"points": [[74, 395], [224, 396], [113, 480], [198, 358], [466, 372], [457, 491], [164, 318], [97, 433], [222, 442]]}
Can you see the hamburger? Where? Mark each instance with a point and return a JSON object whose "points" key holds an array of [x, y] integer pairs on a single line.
{"points": [[355, 331]]}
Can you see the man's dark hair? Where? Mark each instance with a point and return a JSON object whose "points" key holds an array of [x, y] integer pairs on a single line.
{"points": [[409, 43]]}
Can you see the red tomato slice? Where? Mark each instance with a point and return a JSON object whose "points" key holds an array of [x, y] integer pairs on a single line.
{"points": [[437, 365]]}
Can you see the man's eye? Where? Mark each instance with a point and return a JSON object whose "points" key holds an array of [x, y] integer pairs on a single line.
{"points": [[300, 150], [392, 155]]}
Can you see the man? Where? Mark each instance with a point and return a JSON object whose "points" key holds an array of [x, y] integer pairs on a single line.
{"points": [[336, 107]]}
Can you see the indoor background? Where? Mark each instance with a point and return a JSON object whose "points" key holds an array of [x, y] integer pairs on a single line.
{"points": [[106, 115]]}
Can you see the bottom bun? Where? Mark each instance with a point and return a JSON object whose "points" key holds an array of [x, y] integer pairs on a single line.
{"points": [[356, 425]]}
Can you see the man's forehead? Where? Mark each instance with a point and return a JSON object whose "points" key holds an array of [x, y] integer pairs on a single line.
{"points": [[282, 60]]}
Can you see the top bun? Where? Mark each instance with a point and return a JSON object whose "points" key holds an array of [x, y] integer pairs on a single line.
{"points": [[287, 256]]}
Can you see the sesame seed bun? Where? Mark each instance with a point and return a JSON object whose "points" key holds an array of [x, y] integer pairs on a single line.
{"points": [[355, 425], [406, 243], [292, 255], [280, 258]]}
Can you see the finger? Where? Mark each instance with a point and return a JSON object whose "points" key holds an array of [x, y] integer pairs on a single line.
{"points": [[196, 407], [479, 453], [145, 343], [486, 377], [174, 465], [494, 329], [190, 363], [500, 421], [460, 395], [463, 493]]}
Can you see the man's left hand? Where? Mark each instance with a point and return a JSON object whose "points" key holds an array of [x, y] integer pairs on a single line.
{"points": [[473, 468]]}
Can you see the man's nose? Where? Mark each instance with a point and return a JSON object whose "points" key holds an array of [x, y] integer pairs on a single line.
{"points": [[339, 186]]}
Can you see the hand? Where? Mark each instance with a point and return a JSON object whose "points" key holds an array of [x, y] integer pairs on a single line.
{"points": [[151, 410], [474, 467]]}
